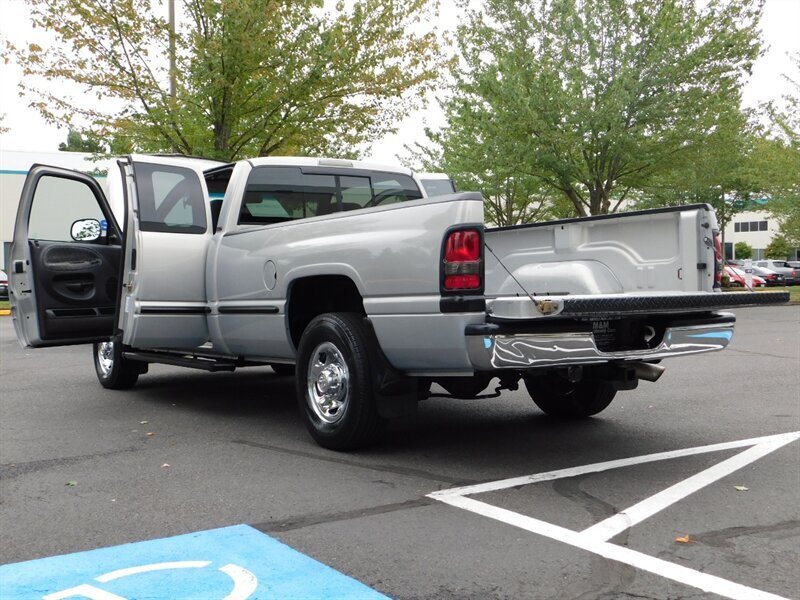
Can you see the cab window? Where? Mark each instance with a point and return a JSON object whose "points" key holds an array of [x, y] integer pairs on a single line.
{"points": [[275, 194]]}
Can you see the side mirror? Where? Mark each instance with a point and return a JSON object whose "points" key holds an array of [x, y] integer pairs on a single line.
{"points": [[85, 230]]}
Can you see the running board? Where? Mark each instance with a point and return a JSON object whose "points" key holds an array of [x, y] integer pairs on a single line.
{"points": [[184, 360]]}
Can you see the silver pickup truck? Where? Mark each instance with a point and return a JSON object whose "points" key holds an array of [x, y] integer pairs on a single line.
{"points": [[351, 277]]}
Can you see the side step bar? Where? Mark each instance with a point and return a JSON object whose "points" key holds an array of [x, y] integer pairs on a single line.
{"points": [[185, 360]]}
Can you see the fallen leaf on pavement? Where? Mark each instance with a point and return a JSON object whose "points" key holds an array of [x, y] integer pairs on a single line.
{"points": [[741, 488], [165, 466], [684, 539], [71, 483], [149, 434], [143, 422]]}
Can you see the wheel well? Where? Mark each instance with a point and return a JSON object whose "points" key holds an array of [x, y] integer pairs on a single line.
{"points": [[312, 296]]}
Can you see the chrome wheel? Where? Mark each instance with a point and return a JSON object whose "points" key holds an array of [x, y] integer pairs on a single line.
{"points": [[327, 382], [105, 358]]}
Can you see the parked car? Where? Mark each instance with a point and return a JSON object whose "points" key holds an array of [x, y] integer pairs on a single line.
{"points": [[791, 274], [3, 285], [771, 277], [737, 277]]}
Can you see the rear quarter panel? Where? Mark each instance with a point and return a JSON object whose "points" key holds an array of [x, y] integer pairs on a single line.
{"points": [[392, 254]]}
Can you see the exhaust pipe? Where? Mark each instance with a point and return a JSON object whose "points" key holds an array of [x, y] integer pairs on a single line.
{"points": [[648, 372]]}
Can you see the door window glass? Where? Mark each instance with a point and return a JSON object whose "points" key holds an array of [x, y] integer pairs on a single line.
{"points": [[57, 203], [170, 198]]}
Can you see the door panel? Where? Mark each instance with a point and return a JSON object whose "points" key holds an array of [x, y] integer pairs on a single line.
{"points": [[169, 228], [76, 288], [63, 291]]}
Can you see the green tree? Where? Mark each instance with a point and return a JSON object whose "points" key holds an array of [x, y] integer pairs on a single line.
{"points": [[253, 77], [595, 97], [727, 172], [511, 196], [77, 142], [779, 248], [780, 161], [743, 250]]}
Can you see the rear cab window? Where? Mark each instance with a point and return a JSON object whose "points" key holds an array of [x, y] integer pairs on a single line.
{"points": [[438, 187], [275, 194]]}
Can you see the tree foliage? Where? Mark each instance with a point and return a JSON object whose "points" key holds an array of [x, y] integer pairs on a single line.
{"points": [[727, 172], [594, 98], [254, 77], [78, 142], [511, 196], [742, 250], [779, 248], [781, 158]]}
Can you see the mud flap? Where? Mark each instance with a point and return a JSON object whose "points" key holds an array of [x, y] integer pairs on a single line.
{"points": [[395, 394]]}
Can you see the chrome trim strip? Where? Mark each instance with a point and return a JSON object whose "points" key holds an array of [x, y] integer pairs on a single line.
{"points": [[525, 351]]}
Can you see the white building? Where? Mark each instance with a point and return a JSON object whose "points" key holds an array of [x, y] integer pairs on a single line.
{"points": [[754, 227], [14, 167]]}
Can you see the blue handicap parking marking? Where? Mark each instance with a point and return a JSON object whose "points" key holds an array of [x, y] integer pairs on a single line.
{"points": [[232, 563]]}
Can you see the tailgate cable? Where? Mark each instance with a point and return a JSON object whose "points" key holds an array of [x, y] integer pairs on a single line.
{"points": [[510, 274]]}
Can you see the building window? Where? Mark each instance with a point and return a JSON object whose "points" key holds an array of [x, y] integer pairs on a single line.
{"points": [[745, 226], [762, 226], [737, 227]]}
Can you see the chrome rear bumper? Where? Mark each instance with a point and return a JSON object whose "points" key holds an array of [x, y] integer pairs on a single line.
{"points": [[493, 349]]}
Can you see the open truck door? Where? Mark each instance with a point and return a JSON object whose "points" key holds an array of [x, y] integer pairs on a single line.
{"points": [[65, 260]]}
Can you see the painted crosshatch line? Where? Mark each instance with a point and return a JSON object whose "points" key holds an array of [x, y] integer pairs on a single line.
{"points": [[595, 538]]}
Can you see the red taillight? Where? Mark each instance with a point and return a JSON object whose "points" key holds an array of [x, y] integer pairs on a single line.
{"points": [[717, 259], [462, 260], [463, 246]]}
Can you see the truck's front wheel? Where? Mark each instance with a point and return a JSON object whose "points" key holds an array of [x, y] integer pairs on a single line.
{"points": [[334, 387], [561, 398], [113, 371]]}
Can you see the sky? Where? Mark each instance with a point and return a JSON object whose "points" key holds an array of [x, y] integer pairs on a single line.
{"points": [[29, 132]]}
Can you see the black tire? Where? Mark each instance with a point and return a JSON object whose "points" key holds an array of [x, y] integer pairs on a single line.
{"points": [[334, 382], [282, 369], [113, 371], [561, 398]]}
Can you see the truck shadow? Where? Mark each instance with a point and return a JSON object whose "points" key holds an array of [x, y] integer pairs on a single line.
{"points": [[470, 431], [250, 393]]}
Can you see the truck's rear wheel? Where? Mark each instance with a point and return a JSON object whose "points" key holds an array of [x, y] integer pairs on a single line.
{"points": [[334, 387], [113, 371], [561, 398]]}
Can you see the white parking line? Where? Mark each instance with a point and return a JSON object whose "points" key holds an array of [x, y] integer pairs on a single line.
{"points": [[594, 539], [637, 513], [502, 484]]}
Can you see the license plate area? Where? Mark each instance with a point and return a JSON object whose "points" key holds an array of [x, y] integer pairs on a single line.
{"points": [[619, 335]]}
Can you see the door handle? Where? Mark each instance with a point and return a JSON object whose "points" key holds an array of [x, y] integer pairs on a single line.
{"points": [[79, 286]]}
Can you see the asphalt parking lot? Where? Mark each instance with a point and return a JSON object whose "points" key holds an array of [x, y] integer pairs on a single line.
{"points": [[469, 499]]}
